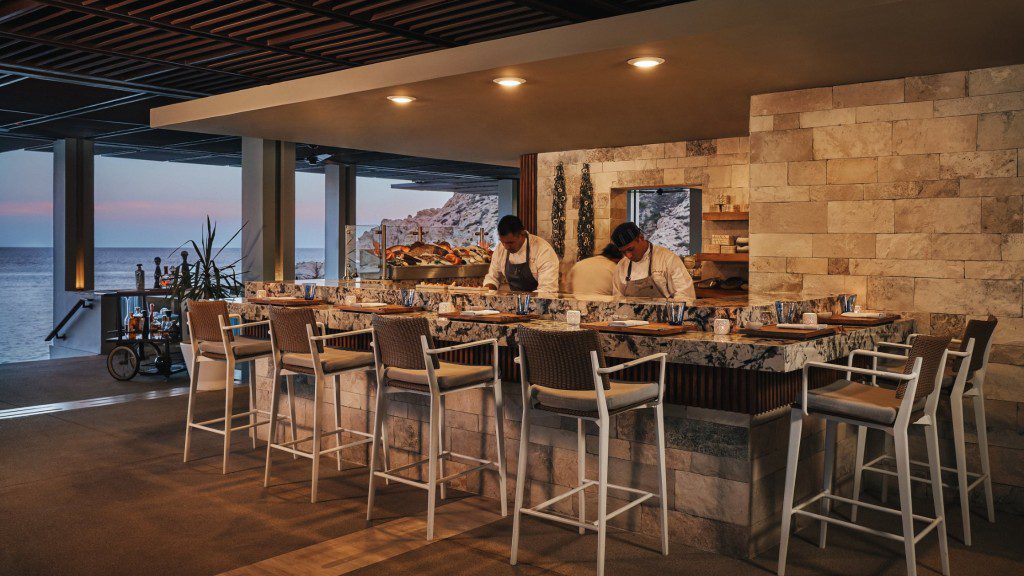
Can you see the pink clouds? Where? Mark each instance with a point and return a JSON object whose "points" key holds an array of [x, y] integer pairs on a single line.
{"points": [[26, 208]]}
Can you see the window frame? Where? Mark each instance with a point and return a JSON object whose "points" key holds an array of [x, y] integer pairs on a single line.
{"points": [[633, 195]]}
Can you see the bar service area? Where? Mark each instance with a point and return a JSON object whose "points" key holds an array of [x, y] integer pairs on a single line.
{"points": [[750, 282]]}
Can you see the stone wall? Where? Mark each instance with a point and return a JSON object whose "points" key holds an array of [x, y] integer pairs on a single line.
{"points": [[718, 166], [907, 192]]}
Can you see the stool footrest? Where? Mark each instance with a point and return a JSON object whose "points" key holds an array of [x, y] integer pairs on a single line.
{"points": [[538, 510], [932, 522], [233, 428], [482, 464], [233, 416], [287, 446], [978, 478]]}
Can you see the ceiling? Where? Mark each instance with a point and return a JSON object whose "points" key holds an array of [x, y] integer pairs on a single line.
{"points": [[94, 68], [581, 94]]}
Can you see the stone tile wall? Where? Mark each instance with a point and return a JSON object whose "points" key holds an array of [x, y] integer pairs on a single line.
{"points": [[907, 192], [718, 166]]}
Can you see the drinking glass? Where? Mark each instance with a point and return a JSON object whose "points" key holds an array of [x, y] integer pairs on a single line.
{"points": [[523, 304], [676, 312], [783, 311], [408, 297], [847, 302], [309, 291]]}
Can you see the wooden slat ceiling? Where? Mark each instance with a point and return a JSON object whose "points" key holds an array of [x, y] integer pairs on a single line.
{"points": [[94, 68]]}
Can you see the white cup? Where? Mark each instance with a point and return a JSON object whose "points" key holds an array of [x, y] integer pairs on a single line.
{"points": [[722, 326], [809, 318], [858, 309], [351, 299], [261, 293], [445, 308], [572, 317]]}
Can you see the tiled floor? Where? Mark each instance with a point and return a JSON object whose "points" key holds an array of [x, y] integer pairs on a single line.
{"points": [[99, 488]]}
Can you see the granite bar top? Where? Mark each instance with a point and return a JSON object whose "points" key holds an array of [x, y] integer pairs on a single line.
{"points": [[697, 347]]}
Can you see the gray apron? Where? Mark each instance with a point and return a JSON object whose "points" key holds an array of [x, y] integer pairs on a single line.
{"points": [[646, 287], [519, 276]]}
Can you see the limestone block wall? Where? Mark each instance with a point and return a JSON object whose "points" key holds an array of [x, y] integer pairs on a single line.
{"points": [[907, 192], [718, 166]]}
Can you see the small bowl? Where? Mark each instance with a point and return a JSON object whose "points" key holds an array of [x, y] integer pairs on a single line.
{"points": [[753, 325], [824, 315]]}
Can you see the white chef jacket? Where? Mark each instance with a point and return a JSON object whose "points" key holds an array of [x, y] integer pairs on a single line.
{"points": [[592, 276], [543, 264], [667, 271]]}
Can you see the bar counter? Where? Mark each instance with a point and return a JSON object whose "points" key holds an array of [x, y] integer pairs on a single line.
{"points": [[726, 399]]}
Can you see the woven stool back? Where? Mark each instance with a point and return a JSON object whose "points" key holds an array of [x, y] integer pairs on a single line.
{"points": [[981, 331], [398, 341], [560, 358], [203, 317], [289, 326], [930, 349]]}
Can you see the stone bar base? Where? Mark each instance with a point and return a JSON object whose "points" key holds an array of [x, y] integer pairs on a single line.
{"points": [[725, 469]]}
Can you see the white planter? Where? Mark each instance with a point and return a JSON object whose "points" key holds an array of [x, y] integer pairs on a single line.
{"points": [[211, 372]]}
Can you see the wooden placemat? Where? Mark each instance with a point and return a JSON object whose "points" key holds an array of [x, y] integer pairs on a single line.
{"points": [[773, 331], [285, 301], [652, 329], [839, 320], [382, 310], [502, 318]]}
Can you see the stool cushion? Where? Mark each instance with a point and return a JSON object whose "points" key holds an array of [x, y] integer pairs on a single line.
{"points": [[619, 395], [448, 376], [855, 400], [241, 346], [331, 360]]}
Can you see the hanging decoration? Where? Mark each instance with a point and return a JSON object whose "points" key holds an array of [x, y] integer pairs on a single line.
{"points": [[558, 212], [585, 229]]}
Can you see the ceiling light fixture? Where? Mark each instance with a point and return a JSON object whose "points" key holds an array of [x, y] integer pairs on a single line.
{"points": [[646, 61], [509, 81], [401, 99]]}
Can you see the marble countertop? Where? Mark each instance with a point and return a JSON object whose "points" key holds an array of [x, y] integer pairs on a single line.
{"points": [[696, 347]]}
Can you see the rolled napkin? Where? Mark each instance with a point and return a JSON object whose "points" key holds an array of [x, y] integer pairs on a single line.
{"points": [[480, 312], [803, 326], [864, 314], [369, 304], [628, 323]]}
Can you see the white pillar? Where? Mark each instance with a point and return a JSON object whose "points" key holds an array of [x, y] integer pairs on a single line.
{"points": [[268, 209], [508, 198], [339, 211]]}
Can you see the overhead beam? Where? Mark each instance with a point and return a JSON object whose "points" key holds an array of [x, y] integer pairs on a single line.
{"points": [[43, 73], [131, 98], [156, 24], [14, 8], [364, 23]]}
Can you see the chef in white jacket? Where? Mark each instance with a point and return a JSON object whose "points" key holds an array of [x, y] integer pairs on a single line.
{"points": [[593, 276], [523, 262], [648, 271]]}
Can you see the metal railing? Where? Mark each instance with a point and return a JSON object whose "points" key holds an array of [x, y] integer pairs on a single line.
{"points": [[82, 303]]}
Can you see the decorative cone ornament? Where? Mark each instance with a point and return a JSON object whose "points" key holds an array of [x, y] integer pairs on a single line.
{"points": [[585, 229], [558, 212]]}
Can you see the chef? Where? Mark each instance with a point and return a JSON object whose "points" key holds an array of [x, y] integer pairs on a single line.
{"points": [[648, 271], [525, 262], [593, 276]]}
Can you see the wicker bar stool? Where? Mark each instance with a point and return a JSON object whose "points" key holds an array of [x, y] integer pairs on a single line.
{"points": [[213, 339], [297, 349], [971, 363], [892, 411], [407, 363], [563, 372]]}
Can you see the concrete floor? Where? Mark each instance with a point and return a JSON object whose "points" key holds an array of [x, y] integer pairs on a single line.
{"points": [[103, 490]]}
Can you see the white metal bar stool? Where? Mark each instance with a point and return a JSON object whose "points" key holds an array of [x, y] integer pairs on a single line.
{"points": [[975, 347], [298, 350], [563, 372], [213, 338], [891, 411], [406, 362]]}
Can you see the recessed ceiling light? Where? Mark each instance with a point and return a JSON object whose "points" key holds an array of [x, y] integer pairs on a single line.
{"points": [[646, 61], [401, 99], [509, 81]]}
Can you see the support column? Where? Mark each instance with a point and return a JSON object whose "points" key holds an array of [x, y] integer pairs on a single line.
{"points": [[508, 198], [268, 210], [73, 231], [339, 211], [527, 200]]}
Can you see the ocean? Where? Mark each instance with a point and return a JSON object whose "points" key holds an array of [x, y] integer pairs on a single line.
{"points": [[26, 289]]}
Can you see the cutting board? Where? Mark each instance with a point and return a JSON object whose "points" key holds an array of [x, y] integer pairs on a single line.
{"points": [[652, 329], [285, 301], [772, 331], [382, 310], [837, 320], [503, 318]]}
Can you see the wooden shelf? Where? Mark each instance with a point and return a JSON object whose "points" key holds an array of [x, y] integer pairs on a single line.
{"points": [[743, 257], [726, 215]]}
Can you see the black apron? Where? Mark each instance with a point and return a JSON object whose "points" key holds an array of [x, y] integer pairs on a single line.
{"points": [[645, 287], [519, 276]]}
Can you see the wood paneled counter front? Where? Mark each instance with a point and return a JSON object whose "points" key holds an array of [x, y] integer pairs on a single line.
{"points": [[725, 397]]}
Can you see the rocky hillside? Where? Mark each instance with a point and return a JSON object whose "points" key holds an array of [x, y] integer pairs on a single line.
{"points": [[666, 220], [457, 222]]}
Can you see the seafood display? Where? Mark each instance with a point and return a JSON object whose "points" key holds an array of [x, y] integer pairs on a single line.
{"points": [[435, 254]]}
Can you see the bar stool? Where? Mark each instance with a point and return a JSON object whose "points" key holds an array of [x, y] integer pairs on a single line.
{"points": [[891, 411], [297, 350], [213, 339], [406, 362], [975, 347], [563, 372]]}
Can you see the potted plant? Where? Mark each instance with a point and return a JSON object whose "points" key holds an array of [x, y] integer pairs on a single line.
{"points": [[205, 279]]}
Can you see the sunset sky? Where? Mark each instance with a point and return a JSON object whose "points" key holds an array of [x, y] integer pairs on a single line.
{"points": [[144, 203]]}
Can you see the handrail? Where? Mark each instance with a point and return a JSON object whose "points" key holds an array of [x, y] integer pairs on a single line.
{"points": [[55, 333]]}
